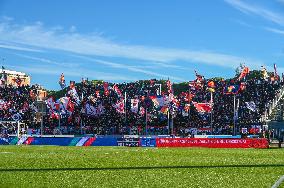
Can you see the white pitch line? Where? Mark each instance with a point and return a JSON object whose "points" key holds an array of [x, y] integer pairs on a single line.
{"points": [[281, 179]]}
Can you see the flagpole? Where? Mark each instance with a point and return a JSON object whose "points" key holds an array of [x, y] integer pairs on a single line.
{"points": [[211, 114], [234, 128], [146, 132], [172, 122], [59, 121], [168, 121], [189, 100], [81, 118], [125, 116]]}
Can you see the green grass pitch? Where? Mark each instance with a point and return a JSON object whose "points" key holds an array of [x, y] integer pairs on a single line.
{"points": [[52, 166]]}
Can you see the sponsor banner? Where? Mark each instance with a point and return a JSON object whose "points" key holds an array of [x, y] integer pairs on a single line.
{"points": [[212, 142]]}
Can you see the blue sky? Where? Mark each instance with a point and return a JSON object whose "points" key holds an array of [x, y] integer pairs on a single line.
{"points": [[127, 40]]}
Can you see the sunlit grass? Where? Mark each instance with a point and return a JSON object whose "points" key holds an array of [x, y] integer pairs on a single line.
{"points": [[51, 166]]}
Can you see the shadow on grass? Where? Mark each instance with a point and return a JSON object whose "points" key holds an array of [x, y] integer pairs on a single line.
{"points": [[139, 168]]}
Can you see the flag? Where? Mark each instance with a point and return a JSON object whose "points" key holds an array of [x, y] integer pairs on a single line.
{"points": [[243, 74], [231, 89], [117, 90], [50, 104], [72, 84], [134, 105], [264, 73], [203, 107], [191, 84], [242, 86], [74, 95], [169, 86], [251, 106], [62, 81], [93, 111], [199, 81], [119, 106], [275, 70], [211, 86], [106, 91]]}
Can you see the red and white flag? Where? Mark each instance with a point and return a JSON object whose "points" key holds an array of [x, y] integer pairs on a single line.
{"points": [[119, 106], [203, 107]]}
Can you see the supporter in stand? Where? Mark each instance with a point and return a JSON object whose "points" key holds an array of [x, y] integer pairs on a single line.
{"points": [[101, 108]]}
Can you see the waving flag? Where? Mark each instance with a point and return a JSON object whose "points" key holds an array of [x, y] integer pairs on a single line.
{"points": [[62, 82], [106, 91], [203, 107], [74, 95], [117, 90], [264, 72], [199, 81], [72, 84], [119, 106], [169, 86], [93, 111], [243, 74], [50, 104], [231, 89], [134, 105], [211, 86], [251, 106]]}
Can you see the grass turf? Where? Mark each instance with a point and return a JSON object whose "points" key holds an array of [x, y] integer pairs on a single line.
{"points": [[52, 166]]}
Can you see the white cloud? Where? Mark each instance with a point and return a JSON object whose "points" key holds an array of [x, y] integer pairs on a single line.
{"points": [[14, 47], [37, 35], [259, 11], [79, 72], [138, 69], [48, 61], [278, 31]]}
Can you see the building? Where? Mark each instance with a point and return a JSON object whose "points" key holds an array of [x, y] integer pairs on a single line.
{"points": [[41, 93], [14, 78]]}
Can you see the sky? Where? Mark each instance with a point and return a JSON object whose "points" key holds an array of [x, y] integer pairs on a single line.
{"points": [[128, 40]]}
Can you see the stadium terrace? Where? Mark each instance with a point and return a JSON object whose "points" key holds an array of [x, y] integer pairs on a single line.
{"points": [[122, 114]]}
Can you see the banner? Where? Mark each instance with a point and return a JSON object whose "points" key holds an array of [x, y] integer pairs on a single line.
{"points": [[212, 142]]}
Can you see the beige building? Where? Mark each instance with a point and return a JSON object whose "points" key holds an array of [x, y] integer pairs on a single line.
{"points": [[15, 78], [41, 93]]}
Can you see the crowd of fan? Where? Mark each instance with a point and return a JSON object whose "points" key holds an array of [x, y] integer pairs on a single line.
{"points": [[18, 103]]}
